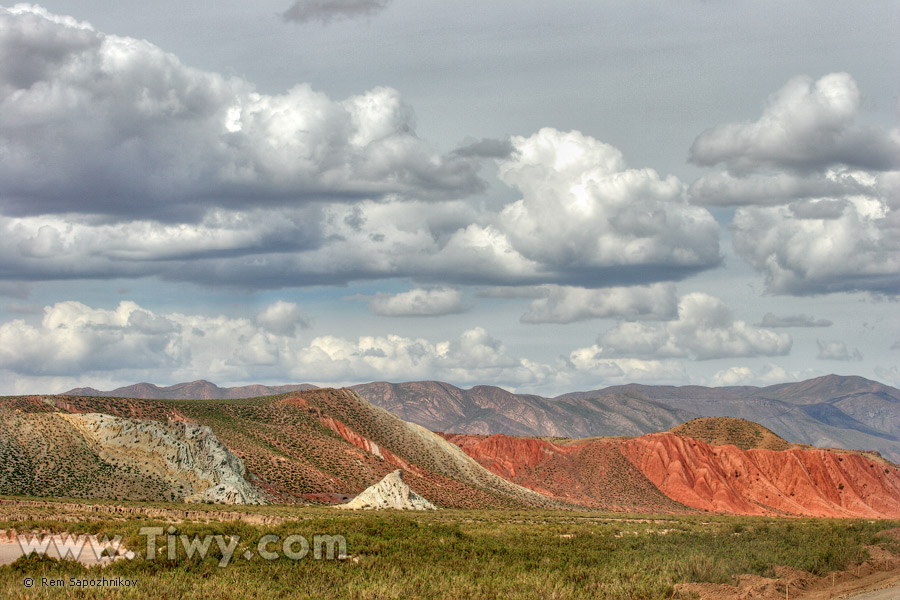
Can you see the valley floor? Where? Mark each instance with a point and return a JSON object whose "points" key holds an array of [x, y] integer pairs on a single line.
{"points": [[449, 554]]}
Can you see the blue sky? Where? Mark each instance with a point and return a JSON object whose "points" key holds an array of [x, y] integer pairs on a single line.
{"points": [[543, 197]]}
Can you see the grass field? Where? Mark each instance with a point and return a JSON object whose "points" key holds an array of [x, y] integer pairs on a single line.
{"points": [[456, 555]]}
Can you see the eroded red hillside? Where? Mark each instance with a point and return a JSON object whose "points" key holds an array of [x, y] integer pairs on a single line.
{"points": [[593, 473], [671, 472], [814, 482]]}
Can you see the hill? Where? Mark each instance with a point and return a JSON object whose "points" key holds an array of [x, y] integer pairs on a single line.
{"points": [[319, 445], [668, 472], [721, 431]]}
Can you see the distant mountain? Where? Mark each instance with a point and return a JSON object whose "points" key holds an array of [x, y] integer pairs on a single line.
{"points": [[487, 409], [843, 412], [195, 390], [833, 411]]}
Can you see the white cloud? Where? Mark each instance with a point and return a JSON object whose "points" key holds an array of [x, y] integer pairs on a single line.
{"points": [[592, 361], [769, 374], [325, 11], [282, 318], [564, 304], [837, 351], [100, 124], [705, 329], [419, 302], [583, 210], [857, 250], [806, 125], [817, 191]]}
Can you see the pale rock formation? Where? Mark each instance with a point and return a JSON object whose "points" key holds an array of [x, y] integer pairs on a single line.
{"points": [[390, 492], [188, 455]]}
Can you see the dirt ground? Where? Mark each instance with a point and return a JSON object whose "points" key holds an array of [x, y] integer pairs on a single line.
{"points": [[876, 579]]}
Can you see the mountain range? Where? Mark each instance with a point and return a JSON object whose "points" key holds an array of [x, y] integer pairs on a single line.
{"points": [[836, 411], [326, 446]]}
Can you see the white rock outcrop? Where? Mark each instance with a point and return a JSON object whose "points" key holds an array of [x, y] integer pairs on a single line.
{"points": [[189, 456], [390, 492]]}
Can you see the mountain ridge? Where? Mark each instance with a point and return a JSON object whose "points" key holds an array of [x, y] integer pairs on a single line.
{"points": [[848, 412]]}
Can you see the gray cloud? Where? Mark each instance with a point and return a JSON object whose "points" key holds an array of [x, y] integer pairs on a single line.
{"points": [[837, 351], [570, 304], [724, 189], [419, 302], [487, 148], [806, 126], [774, 321], [325, 11], [705, 329], [99, 124]]}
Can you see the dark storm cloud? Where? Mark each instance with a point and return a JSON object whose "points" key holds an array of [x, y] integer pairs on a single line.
{"points": [[325, 11]]}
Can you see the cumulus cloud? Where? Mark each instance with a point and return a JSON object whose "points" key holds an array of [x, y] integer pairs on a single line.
{"points": [[858, 250], [769, 374], [817, 192], [419, 302], [773, 321], [118, 161], [282, 318], [130, 342], [564, 304], [593, 361], [583, 210], [837, 351], [325, 11], [807, 125], [705, 329], [74, 338], [100, 124]]}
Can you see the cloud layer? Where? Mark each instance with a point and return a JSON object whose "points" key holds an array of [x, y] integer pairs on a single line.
{"points": [[705, 329]]}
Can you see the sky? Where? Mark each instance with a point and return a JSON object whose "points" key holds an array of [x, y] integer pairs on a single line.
{"points": [[547, 197]]}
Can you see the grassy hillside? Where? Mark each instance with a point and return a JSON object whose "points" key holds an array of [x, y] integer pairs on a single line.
{"points": [[319, 445], [719, 431]]}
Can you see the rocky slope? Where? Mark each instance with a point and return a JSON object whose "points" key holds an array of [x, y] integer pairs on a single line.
{"points": [[815, 482], [104, 456], [846, 412], [669, 472], [389, 493], [318, 445], [487, 409]]}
